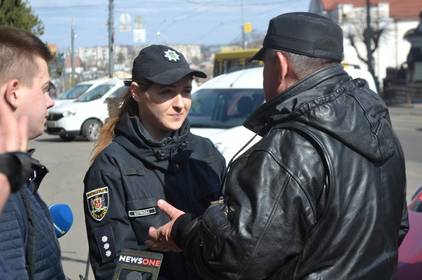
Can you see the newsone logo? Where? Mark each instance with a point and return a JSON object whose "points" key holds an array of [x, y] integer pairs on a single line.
{"points": [[140, 263], [143, 261]]}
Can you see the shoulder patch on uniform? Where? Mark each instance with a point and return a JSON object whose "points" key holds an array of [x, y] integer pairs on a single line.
{"points": [[98, 201]]}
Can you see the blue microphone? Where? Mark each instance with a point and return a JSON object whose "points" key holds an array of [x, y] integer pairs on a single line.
{"points": [[62, 217]]}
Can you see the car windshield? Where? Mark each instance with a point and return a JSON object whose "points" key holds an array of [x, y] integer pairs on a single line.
{"points": [[74, 92], [119, 92], [95, 93], [223, 108]]}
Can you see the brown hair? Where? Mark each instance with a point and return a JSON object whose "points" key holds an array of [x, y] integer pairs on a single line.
{"points": [[18, 48], [107, 131]]}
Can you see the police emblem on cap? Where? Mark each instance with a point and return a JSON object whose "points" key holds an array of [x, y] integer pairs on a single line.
{"points": [[98, 203], [171, 56]]}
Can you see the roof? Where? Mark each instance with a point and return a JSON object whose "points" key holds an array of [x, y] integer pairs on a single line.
{"points": [[330, 5], [399, 9], [405, 9]]}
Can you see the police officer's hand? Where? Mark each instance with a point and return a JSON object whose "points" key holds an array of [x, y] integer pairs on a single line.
{"points": [[161, 239]]}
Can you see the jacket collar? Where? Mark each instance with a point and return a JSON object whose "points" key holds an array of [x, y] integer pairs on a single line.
{"points": [[39, 171], [260, 121], [132, 135]]}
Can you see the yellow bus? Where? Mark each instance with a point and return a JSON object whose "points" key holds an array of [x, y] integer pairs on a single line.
{"points": [[227, 61]]}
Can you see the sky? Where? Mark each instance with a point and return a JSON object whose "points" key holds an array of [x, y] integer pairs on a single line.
{"points": [[204, 22]]}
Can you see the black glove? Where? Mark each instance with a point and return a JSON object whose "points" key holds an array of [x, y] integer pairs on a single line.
{"points": [[17, 167]]}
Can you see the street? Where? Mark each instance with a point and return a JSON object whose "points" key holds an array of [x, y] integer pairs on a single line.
{"points": [[68, 162]]}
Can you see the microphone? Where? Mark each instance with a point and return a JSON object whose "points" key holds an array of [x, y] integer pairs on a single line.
{"points": [[62, 217]]}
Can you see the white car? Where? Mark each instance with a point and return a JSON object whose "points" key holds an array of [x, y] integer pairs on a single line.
{"points": [[222, 104], [73, 93], [86, 114]]}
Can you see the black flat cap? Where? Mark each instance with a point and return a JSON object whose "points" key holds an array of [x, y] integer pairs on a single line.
{"points": [[305, 34], [162, 65]]}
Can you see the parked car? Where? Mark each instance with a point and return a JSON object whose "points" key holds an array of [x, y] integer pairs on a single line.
{"points": [[410, 251], [222, 104], [73, 93], [86, 114]]}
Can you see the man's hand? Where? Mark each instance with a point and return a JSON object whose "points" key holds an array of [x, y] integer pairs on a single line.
{"points": [[13, 138], [13, 133], [161, 238]]}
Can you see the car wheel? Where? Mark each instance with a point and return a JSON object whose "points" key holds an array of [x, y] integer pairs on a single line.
{"points": [[67, 137], [91, 129]]}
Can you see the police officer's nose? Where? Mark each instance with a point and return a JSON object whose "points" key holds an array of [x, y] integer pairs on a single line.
{"points": [[178, 103]]}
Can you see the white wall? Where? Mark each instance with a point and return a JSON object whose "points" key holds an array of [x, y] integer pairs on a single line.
{"points": [[392, 50]]}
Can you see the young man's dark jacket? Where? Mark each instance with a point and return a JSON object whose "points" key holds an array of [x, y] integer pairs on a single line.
{"points": [[321, 196], [28, 245], [185, 169]]}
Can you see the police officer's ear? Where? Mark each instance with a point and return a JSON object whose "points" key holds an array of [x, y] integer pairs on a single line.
{"points": [[11, 93], [282, 66], [134, 91]]}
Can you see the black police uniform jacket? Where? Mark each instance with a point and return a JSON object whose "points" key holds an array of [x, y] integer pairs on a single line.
{"points": [[125, 181], [321, 196]]}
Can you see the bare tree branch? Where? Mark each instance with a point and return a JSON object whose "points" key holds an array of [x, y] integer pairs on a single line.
{"points": [[353, 43]]}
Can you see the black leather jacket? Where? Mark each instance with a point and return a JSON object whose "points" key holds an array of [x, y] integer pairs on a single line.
{"points": [[321, 196]]}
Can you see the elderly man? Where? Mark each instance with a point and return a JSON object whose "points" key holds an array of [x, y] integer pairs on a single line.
{"points": [[322, 195]]}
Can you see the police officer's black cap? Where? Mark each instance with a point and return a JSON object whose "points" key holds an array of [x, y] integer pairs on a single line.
{"points": [[304, 34], [162, 65]]}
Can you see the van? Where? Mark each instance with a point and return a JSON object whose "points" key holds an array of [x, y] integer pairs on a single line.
{"points": [[222, 104], [86, 115], [76, 91]]}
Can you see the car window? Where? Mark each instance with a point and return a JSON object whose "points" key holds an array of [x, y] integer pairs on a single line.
{"points": [[119, 92], [75, 92], [223, 108], [95, 93]]}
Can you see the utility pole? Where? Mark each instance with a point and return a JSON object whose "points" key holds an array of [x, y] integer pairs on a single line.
{"points": [[72, 54], [243, 25], [368, 38], [110, 38]]}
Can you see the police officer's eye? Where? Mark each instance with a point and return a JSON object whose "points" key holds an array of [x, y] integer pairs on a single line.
{"points": [[166, 92], [187, 92]]}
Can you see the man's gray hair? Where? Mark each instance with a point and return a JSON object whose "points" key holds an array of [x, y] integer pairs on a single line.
{"points": [[304, 66]]}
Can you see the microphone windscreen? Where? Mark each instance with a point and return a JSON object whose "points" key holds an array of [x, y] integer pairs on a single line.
{"points": [[62, 217]]}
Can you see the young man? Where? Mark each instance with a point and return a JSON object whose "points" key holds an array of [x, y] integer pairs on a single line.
{"points": [[28, 244], [322, 195]]}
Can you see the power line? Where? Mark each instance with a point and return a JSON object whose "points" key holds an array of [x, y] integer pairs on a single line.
{"points": [[234, 4]]}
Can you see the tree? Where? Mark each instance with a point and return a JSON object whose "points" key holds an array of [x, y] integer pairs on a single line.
{"points": [[367, 29], [19, 14], [121, 58]]}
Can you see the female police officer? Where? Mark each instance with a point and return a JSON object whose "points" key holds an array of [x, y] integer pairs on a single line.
{"points": [[144, 153]]}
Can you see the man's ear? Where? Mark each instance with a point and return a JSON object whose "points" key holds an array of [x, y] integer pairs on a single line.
{"points": [[283, 66], [11, 95]]}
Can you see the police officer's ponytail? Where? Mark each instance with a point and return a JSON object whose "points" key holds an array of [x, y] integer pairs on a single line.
{"points": [[107, 131]]}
